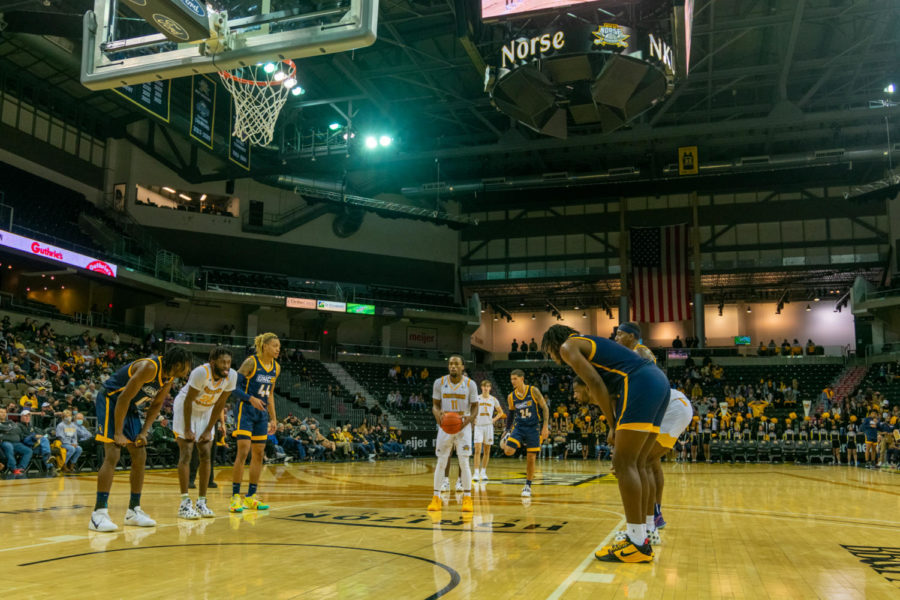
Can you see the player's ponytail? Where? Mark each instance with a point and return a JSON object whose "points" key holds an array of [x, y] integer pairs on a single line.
{"points": [[263, 339]]}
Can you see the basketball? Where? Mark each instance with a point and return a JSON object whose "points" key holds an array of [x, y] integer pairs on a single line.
{"points": [[451, 423]]}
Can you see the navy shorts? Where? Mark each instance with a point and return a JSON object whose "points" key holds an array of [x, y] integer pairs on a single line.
{"points": [[643, 401], [528, 438], [106, 420], [252, 424]]}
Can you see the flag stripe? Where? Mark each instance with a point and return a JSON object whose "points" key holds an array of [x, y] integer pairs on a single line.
{"points": [[659, 274]]}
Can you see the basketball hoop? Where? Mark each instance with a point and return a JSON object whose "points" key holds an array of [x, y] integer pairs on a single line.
{"points": [[259, 93]]}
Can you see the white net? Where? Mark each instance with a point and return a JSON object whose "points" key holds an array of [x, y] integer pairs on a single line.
{"points": [[259, 93]]}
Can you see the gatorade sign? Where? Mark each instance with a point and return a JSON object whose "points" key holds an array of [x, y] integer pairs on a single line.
{"points": [[68, 257]]}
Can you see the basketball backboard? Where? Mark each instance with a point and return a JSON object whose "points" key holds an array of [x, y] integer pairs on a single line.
{"points": [[120, 48]]}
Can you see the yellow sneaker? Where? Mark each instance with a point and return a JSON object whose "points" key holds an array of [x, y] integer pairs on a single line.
{"points": [[467, 505], [626, 552], [253, 503], [436, 503], [236, 505]]}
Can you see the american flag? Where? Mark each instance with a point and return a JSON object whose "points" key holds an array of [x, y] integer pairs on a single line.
{"points": [[659, 270]]}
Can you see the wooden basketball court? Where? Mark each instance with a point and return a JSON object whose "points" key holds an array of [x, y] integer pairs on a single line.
{"points": [[360, 530]]}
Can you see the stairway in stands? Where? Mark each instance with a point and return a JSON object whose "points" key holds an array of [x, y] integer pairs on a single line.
{"points": [[848, 381], [352, 385]]}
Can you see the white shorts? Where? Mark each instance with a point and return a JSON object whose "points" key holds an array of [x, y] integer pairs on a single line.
{"points": [[199, 422], [484, 434], [678, 416], [446, 442]]}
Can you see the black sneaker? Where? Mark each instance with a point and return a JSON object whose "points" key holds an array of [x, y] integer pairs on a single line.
{"points": [[213, 485]]}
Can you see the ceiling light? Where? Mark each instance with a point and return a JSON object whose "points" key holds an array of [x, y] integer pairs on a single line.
{"points": [[495, 317], [289, 82], [576, 307], [298, 91], [533, 317], [282, 76], [184, 197], [808, 308], [168, 189], [584, 315], [385, 141], [371, 142], [334, 126], [269, 68], [890, 88], [816, 299], [203, 197], [749, 310]]}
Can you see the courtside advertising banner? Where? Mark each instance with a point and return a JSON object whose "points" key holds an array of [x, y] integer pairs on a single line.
{"points": [[68, 257]]}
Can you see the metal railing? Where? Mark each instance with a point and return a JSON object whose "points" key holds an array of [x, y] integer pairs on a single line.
{"points": [[394, 351], [190, 337]]}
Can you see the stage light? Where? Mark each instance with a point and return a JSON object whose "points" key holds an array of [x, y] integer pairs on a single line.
{"points": [[280, 76], [890, 88], [298, 91], [269, 68], [334, 126], [385, 141], [808, 308], [289, 82], [371, 142]]}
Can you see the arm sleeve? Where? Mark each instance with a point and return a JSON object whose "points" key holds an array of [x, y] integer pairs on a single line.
{"points": [[240, 384], [511, 415], [231, 384], [436, 390]]}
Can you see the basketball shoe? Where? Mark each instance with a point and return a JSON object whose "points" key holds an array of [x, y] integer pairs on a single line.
{"points": [[626, 552]]}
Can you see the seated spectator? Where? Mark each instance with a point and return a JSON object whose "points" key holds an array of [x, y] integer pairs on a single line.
{"points": [[762, 350], [423, 376], [796, 348], [408, 375], [773, 349], [392, 373], [37, 440], [810, 347], [785, 348], [532, 346], [67, 433], [11, 438], [30, 400]]}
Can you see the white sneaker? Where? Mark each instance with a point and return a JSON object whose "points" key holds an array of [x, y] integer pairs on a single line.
{"points": [[475, 477], [653, 536], [203, 510], [445, 486], [484, 476], [138, 518], [100, 521], [186, 510], [526, 491], [459, 485]]}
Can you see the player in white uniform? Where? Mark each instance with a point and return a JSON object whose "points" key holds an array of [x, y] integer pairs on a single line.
{"points": [[197, 408], [454, 393], [489, 412]]}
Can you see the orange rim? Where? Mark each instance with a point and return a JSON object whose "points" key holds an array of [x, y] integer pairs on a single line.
{"points": [[292, 71]]}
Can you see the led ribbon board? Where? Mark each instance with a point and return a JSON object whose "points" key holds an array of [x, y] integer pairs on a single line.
{"points": [[68, 257]]}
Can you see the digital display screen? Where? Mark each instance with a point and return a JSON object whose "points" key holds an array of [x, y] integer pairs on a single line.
{"points": [[499, 9], [742, 340], [30, 246], [331, 306], [300, 303], [361, 309]]}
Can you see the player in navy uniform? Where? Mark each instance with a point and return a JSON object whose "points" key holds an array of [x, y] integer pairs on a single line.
{"points": [[643, 396], [530, 428], [118, 425], [255, 417]]}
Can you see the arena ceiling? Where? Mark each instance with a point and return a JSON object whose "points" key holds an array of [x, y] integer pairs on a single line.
{"points": [[768, 77]]}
